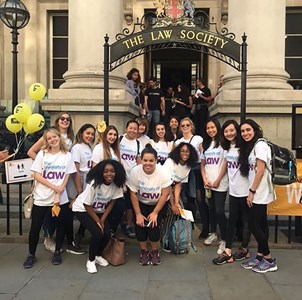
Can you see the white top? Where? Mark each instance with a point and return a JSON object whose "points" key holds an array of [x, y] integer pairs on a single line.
{"points": [[195, 142], [163, 149], [238, 184], [214, 158], [129, 153], [53, 167], [148, 186], [178, 172], [82, 154], [67, 140], [144, 140], [97, 198], [265, 191], [98, 153]]}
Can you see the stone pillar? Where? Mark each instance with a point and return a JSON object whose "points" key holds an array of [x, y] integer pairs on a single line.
{"points": [[82, 94], [89, 22], [263, 21]]}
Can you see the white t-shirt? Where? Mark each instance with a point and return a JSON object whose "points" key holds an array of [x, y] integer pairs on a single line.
{"points": [[98, 153], [265, 191], [178, 172], [82, 154], [97, 198], [53, 167], [130, 150], [148, 186], [144, 140], [195, 141], [214, 158], [163, 149], [238, 184], [67, 140]]}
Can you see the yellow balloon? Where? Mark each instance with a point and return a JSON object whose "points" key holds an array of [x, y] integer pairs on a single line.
{"points": [[35, 122], [12, 124], [22, 111], [37, 91], [26, 130]]}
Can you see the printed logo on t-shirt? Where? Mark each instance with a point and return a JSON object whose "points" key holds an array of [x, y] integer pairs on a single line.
{"points": [[48, 174], [89, 164], [212, 160], [148, 193]]}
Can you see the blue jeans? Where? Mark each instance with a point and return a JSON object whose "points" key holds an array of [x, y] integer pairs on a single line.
{"points": [[155, 116]]}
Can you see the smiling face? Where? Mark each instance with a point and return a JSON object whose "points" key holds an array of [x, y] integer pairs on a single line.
{"points": [[230, 133], [111, 136], [52, 140], [141, 128], [186, 126], [173, 123], [109, 174], [131, 131], [184, 154], [64, 122], [149, 163], [88, 135], [247, 132], [211, 130], [160, 131]]}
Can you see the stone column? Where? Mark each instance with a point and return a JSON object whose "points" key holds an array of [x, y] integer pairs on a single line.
{"points": [[263, 21], [89, 22]]}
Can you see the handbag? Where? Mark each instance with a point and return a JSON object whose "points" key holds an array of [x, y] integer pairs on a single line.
{"points": [[114, 252], [28, 202]]}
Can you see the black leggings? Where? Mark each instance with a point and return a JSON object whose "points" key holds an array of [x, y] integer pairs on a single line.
{"points": [[151, 233], [99, 239], [259, 227], [38, 215], [238, 211]]}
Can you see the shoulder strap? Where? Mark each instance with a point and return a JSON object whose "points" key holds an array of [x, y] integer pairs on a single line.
{"points": [[121, 137], [191, 139], [138, 144]]}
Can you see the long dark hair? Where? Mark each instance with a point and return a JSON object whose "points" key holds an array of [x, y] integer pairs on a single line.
{"points": [[247, 147], [175, 154], [207, 139], [225, 143], [155, 136], [97, 173], [79, 136]]}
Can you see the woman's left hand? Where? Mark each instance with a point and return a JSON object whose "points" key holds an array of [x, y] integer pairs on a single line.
{"points": [[153, 219], [249, 200]]}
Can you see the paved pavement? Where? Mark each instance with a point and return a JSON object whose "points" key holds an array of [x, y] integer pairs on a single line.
{"points": [[190, 276]]}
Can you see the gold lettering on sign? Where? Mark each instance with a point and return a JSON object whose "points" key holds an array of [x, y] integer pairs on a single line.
{"points": [[161, 35], [134, 41]]}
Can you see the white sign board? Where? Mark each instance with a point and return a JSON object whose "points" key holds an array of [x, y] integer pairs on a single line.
{"points": [[18, 170]]}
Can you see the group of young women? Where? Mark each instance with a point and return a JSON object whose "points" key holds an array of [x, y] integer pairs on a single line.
{"points": [[134, 181]]}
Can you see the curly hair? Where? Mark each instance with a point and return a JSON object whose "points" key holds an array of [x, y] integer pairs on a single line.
{"points": [[225, 143], [247, 147], [97, 173], [175, 154], [131, 72], [207, 139]]}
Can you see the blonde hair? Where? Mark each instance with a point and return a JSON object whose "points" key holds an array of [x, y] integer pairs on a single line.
{"points": [[63, 146], [190, 121]]}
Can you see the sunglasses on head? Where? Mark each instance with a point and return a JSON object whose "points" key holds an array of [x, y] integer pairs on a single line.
{"points": [[68, 119]]}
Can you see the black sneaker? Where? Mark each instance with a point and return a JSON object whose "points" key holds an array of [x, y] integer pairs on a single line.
{"points": [[241, 254], [204, 234], [56, 259], [154, 258], [144, 258], [74, 250], [29, 261], [223, 258], [77, 240]]}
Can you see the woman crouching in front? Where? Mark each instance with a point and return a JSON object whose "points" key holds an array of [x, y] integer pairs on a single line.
{"points": [[92, 207], [150, 190]]}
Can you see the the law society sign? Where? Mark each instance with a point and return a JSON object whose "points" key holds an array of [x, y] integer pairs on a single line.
{"points": [[215, 44], [18, 170]]}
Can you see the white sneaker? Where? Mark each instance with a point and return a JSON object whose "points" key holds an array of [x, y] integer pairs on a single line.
{"points": [[221, 247], [91, 267], [50, 245], [212, 237], [101, 261]]}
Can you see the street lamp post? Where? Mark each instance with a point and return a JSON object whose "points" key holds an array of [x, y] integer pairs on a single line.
{"points": [[14, 15]]}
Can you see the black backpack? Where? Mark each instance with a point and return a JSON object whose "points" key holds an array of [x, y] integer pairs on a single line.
{"points": [[283, 167]]}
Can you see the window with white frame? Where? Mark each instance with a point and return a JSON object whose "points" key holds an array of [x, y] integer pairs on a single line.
{"points": [[58, 48], [293, 46]]}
